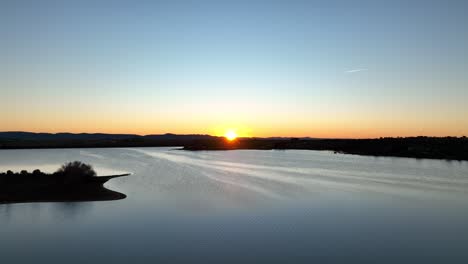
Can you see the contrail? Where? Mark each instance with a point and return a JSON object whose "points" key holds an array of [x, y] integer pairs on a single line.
{"points": [[355, 70]]}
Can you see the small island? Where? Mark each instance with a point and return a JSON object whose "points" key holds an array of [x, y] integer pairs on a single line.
{"points": [[72, 182]]}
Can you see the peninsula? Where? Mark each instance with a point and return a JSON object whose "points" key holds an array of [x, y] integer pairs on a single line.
{"points": [[74, 181]]}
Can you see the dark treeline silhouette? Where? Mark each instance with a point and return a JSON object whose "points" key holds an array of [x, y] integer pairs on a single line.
{"points": [[451, 148], [74, 181]]}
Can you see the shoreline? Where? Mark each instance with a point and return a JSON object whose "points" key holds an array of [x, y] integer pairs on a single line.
{"points": [[442, 148], [419, 147], [25, 187]]}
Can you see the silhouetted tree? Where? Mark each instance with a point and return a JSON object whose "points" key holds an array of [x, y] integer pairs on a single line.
{"points": [[76, 171]]}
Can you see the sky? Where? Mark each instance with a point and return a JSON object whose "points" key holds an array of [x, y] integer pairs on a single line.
{"points": [[347, 69]]}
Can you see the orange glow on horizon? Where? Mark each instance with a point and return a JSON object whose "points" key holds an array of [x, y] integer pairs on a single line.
{"points": [[288, 127], [230, 135]]}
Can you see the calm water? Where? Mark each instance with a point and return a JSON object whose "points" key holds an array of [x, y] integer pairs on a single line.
{"points": [[244, 206]]}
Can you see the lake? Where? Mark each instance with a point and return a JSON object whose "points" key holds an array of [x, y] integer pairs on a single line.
{"points": [[244, 206]]}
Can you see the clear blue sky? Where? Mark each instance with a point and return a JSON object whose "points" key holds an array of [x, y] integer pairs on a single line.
{"points": [[286, 68]]}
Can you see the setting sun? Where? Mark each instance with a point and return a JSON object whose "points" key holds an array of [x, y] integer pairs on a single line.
{"points": [[231, 135]]}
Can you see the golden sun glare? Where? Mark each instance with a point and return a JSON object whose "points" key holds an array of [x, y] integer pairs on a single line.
{"points": [[230, 135]]}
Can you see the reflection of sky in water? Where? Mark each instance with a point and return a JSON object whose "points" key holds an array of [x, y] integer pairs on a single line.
{"points": [[244, 206]]}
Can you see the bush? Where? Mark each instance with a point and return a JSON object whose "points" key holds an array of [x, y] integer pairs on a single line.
{"points": [[76, 171]]}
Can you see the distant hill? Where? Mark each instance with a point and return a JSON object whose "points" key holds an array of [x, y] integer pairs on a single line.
{"points": [[20, 135], [175, 136], [14, 139], [88, 136], [61, 136]]}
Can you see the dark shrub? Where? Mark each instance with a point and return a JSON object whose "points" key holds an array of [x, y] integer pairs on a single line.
{"points": [[76, 171]]}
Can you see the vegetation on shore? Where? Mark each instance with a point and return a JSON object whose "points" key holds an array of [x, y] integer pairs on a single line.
{"points": [[450, 148], [74, 181]]}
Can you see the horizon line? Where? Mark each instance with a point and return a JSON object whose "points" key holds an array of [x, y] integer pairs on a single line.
{"points": [[241, 137]]}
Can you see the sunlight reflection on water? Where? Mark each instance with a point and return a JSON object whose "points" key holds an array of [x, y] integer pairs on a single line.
{"points": [[244, 206]]}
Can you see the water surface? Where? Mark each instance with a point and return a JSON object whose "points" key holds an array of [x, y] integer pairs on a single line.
{"points": [[244, 206]]}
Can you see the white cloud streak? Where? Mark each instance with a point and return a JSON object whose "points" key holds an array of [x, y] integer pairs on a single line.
{"points": [[356, 70]]}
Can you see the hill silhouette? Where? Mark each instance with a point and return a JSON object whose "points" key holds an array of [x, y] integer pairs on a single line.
{"points": [[18, 140]]}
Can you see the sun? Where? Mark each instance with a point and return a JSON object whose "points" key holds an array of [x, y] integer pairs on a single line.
{"points": [[231, 135]]}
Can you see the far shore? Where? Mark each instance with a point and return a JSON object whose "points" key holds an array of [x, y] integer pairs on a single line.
{"points": [[448, 148]]}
